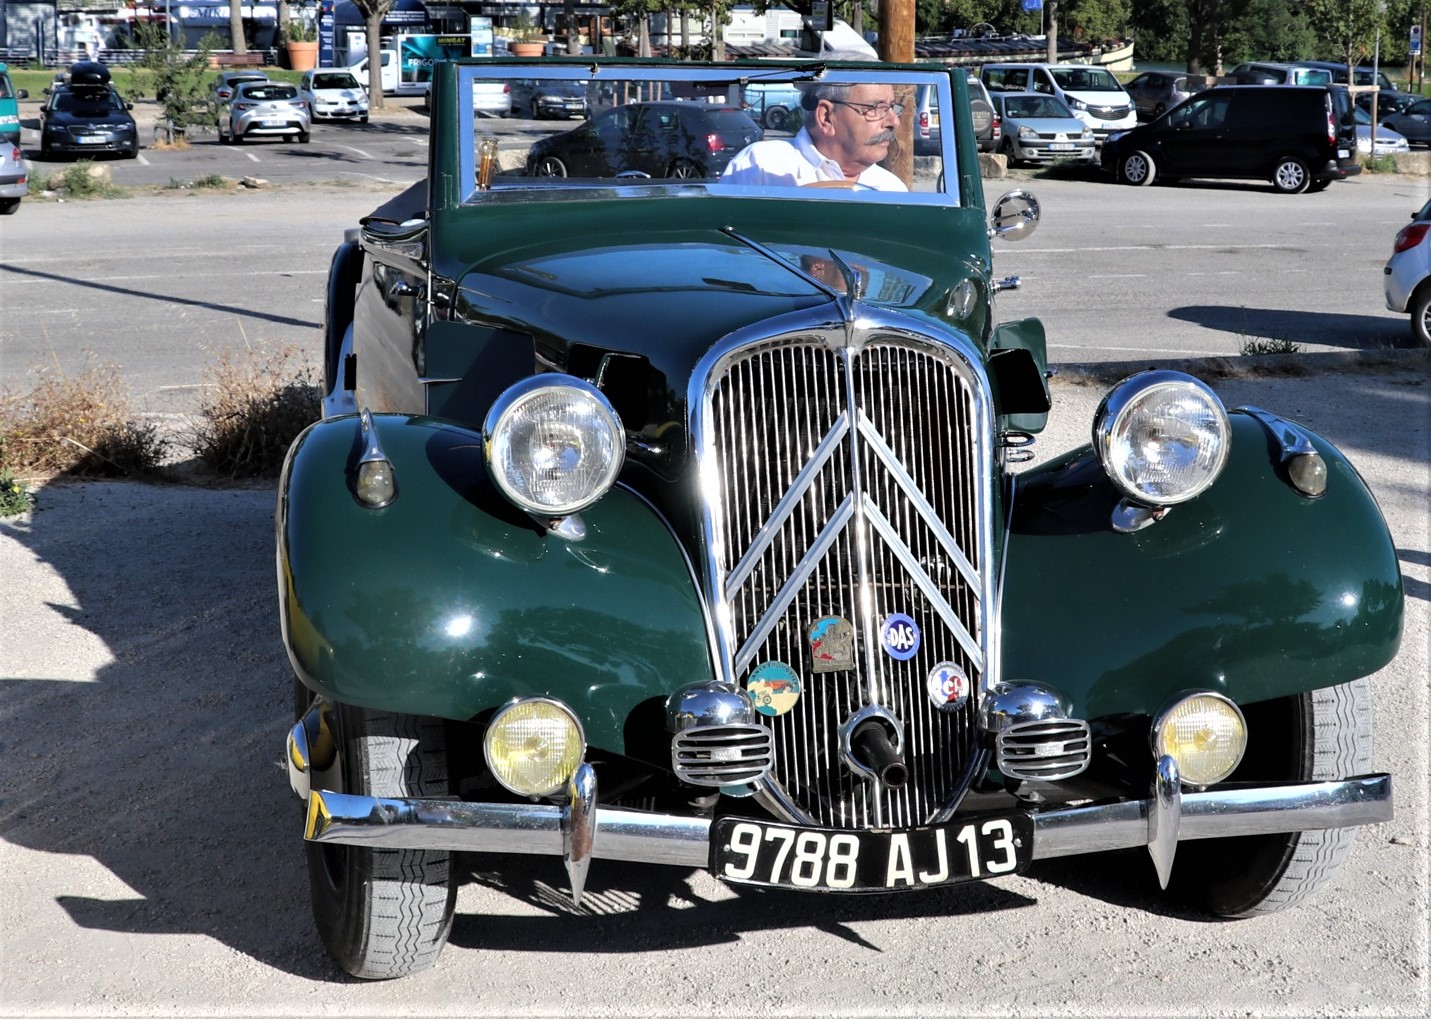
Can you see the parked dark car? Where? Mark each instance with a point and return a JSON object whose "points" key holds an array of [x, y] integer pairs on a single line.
{"points": [[87, 120], [539, 98], [1413, 123], [1271, 73], [1156, 92], [1387, 103], [694, 524], [675, 138], [1298, 137]]}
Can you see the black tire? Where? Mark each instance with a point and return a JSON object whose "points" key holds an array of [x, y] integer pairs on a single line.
{"points": [[1137, 168], [1320, 184], [549, 166], [775, 118], [1008, 146], [302, 137], [1324, 734], [384, 913], [1290, 176], [684, 169], [363, 119], [1421, 316], [8, 206]]}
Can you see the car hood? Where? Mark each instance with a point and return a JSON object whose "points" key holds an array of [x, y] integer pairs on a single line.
{"points": [[332, 94], [104, 118], [654, 286]]}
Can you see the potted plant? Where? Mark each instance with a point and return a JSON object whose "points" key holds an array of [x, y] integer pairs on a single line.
{"points": [[301, 40], [530, 40]]}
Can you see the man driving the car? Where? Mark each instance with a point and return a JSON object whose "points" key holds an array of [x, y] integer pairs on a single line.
{"points": [[847, 131]]}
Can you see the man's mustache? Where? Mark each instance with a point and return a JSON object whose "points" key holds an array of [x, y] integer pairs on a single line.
{"points": [[881, 138]]}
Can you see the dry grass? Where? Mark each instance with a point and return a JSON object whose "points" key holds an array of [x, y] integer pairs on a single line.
{"points": [[78, 425], [254, 408]]}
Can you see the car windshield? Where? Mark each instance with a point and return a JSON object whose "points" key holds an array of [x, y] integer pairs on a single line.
{"points": [[268, 92], [87, 103], [1085, 79], [1032, 106], [343, 80], [736, 131]]}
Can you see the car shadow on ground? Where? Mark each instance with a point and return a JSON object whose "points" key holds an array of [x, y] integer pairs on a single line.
{"points": [[1352, 332]]}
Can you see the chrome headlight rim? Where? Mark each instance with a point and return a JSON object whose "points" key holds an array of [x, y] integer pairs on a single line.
{"points": [[554, 788], [1130, 396], [496, 433], [1159, 746]]}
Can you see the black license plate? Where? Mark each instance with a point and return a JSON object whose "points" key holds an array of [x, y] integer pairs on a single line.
{"points": [[845, 860]]}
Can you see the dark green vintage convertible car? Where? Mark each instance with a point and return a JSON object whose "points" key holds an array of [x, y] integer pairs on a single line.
{"points": [[686, 520]]}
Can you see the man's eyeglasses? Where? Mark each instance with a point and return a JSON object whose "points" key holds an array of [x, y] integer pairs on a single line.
{"points": [[873, 111]]}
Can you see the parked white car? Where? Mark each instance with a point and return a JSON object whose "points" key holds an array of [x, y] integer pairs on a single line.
{"points": [[1407, 276], [493, 98], [334, 93]]}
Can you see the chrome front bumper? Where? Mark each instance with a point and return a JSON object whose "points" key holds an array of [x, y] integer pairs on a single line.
{"points": [[1159, 822]]}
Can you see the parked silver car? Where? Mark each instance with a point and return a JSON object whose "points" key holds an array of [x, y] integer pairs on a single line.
{"points": [[1040, 128], [1156, 92], [227, 81], [1407, 276], [13, 183], [334, 94], [264, 109]]}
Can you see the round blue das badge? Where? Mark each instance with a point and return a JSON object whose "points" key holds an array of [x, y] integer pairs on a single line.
{"points": [[900, 636], [773, 687]]}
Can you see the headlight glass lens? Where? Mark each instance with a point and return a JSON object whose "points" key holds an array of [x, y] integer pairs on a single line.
{"points": [[1205, 733], [534, 747], [554, 447], [1162, 437]]}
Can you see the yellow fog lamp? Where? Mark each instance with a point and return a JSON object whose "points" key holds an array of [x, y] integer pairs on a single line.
{"points": [[1205, 733], [533, 746]]}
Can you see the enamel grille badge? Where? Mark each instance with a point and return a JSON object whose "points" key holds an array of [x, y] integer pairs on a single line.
{"points": [[832, 644], [900, 636], [773, 688], [948, 686]]}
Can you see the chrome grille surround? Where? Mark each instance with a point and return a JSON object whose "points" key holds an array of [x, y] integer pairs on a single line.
{"points": [[846, 469], [718, 755]]}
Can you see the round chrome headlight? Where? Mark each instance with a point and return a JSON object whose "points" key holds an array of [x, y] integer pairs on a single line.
{"points": [[554, 444], [1162, 437], [1205, 733], [533, 746]]}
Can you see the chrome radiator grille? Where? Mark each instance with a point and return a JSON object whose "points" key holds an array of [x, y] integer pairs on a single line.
{"points": [[850, 485]]}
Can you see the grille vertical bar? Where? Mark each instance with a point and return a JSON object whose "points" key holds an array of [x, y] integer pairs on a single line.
{"points": [[790, 426]]}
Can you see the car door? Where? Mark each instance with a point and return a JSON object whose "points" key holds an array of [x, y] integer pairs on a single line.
{"points": [[1414, 122], [1195, 141], [646, 146], [595, 148]]}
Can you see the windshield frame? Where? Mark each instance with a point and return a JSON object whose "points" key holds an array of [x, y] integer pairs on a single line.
{"points": [[740, 74]]}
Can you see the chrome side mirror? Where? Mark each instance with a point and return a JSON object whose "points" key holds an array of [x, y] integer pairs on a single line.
{"points": [[1015, 216]]}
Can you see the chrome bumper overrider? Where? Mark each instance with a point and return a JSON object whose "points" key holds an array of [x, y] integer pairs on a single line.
{"points": [[1159, 822]]}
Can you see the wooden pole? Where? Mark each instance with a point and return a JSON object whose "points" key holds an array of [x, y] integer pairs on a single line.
{"points": [[896, 46]]}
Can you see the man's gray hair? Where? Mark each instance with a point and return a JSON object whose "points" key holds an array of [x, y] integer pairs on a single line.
{"points": [[814, 91]]}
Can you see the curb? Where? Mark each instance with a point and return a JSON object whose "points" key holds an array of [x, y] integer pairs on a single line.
{"points": [[1244, 366]]}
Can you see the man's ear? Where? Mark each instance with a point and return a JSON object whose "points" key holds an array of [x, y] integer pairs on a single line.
{"points": [[825, 116]]}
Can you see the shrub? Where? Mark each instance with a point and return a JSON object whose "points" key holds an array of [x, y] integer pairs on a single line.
{"points": [[79, 425], [82, 180], [14, 497], [249, 417]]}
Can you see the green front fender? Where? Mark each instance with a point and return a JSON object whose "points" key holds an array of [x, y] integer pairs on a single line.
{"points": [[448, 602], [1250, 589]]}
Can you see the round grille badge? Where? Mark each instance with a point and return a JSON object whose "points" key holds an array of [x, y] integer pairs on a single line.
{"points": [[773, 688], [948, 686], [900, 636]]}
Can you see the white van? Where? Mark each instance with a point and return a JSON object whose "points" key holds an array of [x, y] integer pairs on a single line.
{"points": [[390, 71], [1092, 93]]}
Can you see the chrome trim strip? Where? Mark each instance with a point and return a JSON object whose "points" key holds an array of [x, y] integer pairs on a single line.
{"points": [[795, 583], [641, 837], [921, 580], [1290, 439], [1164, 817], [769, 530], [926, 512]]}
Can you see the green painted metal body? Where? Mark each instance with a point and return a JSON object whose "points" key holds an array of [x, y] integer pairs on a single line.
{"points": [[1250, 589], [448, 602]]}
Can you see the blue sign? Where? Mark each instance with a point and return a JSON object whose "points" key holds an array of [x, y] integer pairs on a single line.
{"points": [[1033, 5], [900, 636], [1415, 38]]}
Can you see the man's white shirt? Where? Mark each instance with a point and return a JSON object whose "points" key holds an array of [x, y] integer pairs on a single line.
{"points": [[796, 162]]}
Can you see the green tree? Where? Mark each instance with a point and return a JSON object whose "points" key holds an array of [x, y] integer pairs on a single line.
{"points": [[178, 81], [1350, 26]]}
